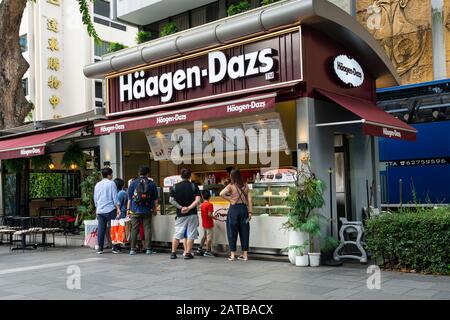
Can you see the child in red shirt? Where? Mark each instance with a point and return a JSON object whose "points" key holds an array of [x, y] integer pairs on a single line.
{"points": [[207, 211]]}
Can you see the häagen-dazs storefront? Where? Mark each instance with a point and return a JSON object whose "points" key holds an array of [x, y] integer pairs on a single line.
{"points": [[304, 73]]}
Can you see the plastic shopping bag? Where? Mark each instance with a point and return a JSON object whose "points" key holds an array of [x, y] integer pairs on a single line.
{"points": [[118, 231], [91, 233]]}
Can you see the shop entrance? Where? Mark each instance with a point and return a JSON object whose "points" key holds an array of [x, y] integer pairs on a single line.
{"points": [[342, 176]]}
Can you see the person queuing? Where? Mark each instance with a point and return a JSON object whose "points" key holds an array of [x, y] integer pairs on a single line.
{"points": [[105, 194], [142, 204], [185, 196], [239, 214], [207, 212], [122, 197]]}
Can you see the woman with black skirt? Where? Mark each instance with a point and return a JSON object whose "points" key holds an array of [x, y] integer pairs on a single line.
{"points": [[239, 214]]}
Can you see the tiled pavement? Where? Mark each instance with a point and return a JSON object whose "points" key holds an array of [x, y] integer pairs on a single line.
{"points": [[42, 275]]}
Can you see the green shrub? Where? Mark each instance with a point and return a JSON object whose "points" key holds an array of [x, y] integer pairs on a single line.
{"points": [[143, 36], [116, 46], [168, 29], [238, 8], [415, 239], [266, 2]]}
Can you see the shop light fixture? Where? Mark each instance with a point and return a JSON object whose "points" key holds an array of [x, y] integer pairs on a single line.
{"points": [[51, 166], [107, 164], [73, 166]]}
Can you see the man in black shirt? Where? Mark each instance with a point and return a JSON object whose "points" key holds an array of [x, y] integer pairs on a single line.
{"points": [[185, 196]]}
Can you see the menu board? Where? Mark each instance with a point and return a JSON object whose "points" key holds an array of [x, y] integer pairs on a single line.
{"points": [[264, 132]]}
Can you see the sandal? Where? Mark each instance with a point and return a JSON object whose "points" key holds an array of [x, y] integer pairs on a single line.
{"points": [[231, 259], [242, 258]]}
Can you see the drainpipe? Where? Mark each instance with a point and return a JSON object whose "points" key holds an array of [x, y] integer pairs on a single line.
{"points": [[438, 36]]}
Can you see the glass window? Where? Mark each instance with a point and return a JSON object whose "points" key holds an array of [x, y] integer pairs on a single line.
{"points": [[198, 17], [102, 7], [212, 12], [101, 48], [99, 104], [98, 90], [182, 21], [101, 21], [118, 26], [23, 41], [25, 86]]}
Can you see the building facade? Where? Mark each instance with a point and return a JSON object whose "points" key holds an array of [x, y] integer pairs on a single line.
{"points": [[56, 45]]}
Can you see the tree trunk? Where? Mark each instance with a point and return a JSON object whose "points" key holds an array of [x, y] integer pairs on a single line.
{"points": [[14, 107]]}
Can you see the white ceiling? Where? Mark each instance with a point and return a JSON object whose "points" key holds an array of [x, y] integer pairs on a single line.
{"points": [[143, 12]]}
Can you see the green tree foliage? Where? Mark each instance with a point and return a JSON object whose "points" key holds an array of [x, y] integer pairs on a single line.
{"points": [[238, 8], [87, 208], [168, 29]]}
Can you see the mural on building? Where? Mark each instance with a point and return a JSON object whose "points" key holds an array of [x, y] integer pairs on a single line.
{"points": [[447, 34], [403, 28]]}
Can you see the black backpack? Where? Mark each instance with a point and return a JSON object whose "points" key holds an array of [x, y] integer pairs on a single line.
{"points": [[142, 194]]}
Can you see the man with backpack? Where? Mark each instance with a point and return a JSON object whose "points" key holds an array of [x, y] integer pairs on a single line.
{"points": [[142, 205], [185, 196]]}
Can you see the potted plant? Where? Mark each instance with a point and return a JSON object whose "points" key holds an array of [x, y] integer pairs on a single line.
{"points": [[312, 227], [168, 29], [327, 250], [143, 36], [87, 208], [73, 157], [301, 255], [303, 200]]}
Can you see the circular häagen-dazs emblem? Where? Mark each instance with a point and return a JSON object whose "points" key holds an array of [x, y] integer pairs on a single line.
{"points": [[348, 70]]}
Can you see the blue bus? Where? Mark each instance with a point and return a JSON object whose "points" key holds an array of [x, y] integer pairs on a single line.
{"points": [[417, 172]]}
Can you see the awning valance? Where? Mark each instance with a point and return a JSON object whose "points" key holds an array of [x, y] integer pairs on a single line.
{"points": [[236, 107], [374, 120], [31, 145]]}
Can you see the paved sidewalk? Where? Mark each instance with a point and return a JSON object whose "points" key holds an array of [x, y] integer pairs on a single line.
{"points": [[42, 275]]}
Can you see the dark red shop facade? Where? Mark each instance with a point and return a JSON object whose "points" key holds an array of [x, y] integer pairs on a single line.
{"points": [[303, 67]]}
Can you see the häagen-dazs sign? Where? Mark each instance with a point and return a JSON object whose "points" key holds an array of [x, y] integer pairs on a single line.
{"points": [[140, 85], [348, 70], [245, 67]]}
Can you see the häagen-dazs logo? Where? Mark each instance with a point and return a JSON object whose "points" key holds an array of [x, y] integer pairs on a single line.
{"points": [[349, 71], [392, 133], [27, 152], [112, 128]]}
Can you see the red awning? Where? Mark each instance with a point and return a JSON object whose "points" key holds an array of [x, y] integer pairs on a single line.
{"points": [[256, 103], [31, 145], [375, 121]]}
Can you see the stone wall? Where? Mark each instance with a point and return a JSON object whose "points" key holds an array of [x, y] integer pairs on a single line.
{"points": [[403, 28]]}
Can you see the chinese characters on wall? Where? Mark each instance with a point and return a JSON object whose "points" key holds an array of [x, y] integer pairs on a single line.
{"points": [[54, 83]]}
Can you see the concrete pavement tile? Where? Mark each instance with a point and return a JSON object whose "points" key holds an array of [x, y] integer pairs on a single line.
{"points": [[444, 295], [377, 295], [422, 293], [411, 283], [442, 286], [340, 293]]}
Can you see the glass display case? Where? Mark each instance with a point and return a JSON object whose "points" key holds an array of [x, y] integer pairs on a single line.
{"points": [[270, 198]]}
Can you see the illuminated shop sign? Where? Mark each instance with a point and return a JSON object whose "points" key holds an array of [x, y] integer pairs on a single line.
{"points": [[142, 85], [348, 70]]}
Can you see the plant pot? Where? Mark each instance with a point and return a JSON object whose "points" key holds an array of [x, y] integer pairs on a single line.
{"points": [[314, 259], [302, 261], [296, 238]]}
